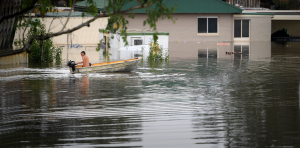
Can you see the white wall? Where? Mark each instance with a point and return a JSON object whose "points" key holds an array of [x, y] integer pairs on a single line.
{"points": [[85, 35], [117, 41]]}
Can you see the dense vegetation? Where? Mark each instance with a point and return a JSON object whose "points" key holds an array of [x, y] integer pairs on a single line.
{"points": [[40, 50]]}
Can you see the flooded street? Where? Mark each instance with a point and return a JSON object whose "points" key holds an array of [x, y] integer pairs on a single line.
{"points": [[202, 97]]}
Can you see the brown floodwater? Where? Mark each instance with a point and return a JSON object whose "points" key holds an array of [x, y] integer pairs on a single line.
{"points": [[202, 97]]}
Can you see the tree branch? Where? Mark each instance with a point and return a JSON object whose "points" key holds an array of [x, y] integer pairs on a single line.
{"points": [[20, 12], [26, 29], [51, 24], [27, 46], [87, 23], [68, 16]]}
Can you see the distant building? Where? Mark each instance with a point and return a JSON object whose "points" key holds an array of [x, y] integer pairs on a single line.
{"points": [[60, 3]]}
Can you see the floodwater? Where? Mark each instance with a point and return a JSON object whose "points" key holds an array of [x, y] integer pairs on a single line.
{"points": [[202, 97]]}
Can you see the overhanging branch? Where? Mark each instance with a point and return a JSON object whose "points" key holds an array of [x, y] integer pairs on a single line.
{"points": [[87, 23], [19, 13]]}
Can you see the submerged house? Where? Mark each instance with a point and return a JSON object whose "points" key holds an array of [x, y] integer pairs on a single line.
{"points": [[210, 27], [208, 20]]}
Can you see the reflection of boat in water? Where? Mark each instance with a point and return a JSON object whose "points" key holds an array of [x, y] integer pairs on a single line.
{"points": [[116, 66]]}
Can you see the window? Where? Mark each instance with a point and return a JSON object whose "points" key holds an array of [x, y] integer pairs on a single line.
{"points": [[207, 25], [241, 28]]}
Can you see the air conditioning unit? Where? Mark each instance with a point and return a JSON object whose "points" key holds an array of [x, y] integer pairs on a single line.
{"points": [[136, 41]]}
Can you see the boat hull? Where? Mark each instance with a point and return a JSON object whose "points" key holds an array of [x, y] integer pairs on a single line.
{"points": [[117, 66]]}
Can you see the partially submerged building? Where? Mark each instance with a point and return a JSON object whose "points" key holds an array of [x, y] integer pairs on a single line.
{"points": [[209, 27], [213, 20]]}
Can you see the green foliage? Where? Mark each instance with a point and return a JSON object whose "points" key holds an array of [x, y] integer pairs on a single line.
{"points": [[106, 53], [108, 44], [58, 54], [43, 6], [99, 45], [155, 64], [156, 53], [117, 21], [287, 4], [167, 56], [92, 7], [40, 48]]}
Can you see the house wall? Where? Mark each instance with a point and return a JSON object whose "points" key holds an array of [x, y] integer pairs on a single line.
{"points": [[85, 35], [260, 26], [185, 28]]}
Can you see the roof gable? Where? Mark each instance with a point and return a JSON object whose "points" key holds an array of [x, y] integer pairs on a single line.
{"points": [[194, 6]]}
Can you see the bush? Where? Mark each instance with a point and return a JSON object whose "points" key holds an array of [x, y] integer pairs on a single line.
{"points": [[40, 50], [156, 53]]}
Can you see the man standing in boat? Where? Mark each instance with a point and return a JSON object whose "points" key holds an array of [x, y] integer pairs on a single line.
{"points": [[85, 60]]}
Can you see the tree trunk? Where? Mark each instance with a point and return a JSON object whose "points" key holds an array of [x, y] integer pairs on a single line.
{"points": [[41, 46]]}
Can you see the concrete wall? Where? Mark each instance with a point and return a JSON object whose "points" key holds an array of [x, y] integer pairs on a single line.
{"points": [[186, 29], [86, 35], [293, 27], [14, 59], [260, 26]]}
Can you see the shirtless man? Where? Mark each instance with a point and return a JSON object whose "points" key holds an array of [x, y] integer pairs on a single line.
{"points": [[85, 60]]}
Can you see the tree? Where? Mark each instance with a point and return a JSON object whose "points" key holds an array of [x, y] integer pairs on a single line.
{"points": [[286, 4], [114, 10]]}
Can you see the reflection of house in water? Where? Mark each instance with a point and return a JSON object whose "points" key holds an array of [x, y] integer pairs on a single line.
{"points": [[207, 53], [241, 50]]}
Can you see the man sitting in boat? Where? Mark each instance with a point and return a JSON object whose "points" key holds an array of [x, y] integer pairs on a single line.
{"points": [[85, 60]]}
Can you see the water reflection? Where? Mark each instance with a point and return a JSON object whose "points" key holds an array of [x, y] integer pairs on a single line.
{"points": [[85, 85], [248, 50], [285, 48], [66, 110], [247, 104]]}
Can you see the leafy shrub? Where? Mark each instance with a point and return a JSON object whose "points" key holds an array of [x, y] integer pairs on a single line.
{"points": [[40, 50], [156, 52]]}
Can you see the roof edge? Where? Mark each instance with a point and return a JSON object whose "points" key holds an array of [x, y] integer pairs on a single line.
{"points": [[239, 9]]}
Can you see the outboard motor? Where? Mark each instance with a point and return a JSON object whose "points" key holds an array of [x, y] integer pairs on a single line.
{"points": [[72, 65]]}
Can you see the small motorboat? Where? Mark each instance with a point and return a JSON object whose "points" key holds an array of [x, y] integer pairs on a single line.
{"points": [[107, 67]]}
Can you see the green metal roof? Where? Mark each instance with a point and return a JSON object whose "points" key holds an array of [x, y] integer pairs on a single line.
{"points": [[133, 32], [64, 14], [258, 14], [193, 6], [81, 6]]}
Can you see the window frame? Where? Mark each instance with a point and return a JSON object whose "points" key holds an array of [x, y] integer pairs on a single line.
{"points": [[207, 33], [242, 38]]}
